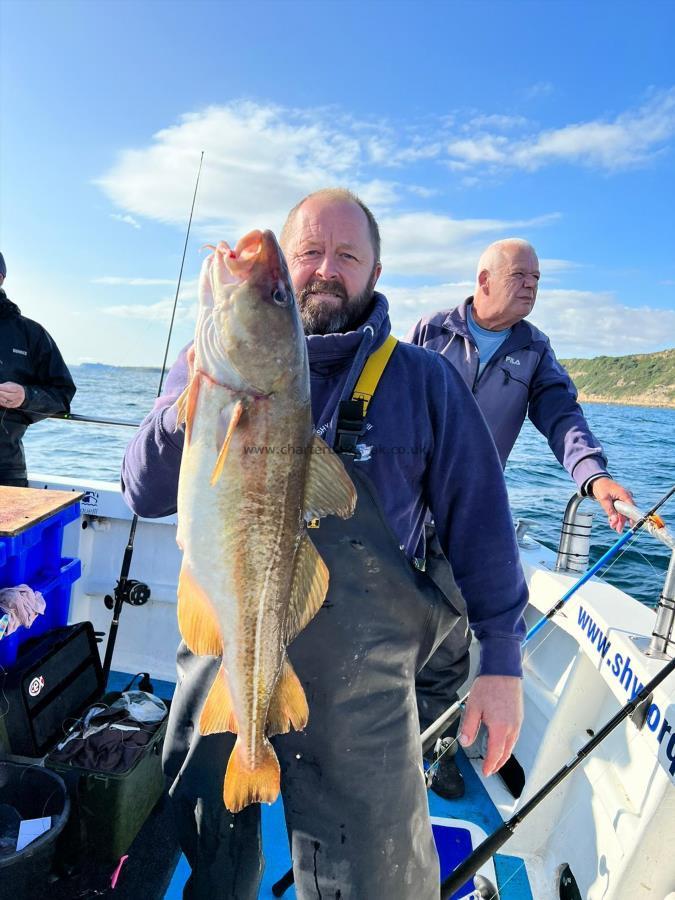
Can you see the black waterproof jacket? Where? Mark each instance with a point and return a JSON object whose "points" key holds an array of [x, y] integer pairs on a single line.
{"points": [[29, 357]]}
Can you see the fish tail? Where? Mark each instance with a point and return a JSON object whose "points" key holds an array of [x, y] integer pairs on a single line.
{"points": [[288, 706], [244, 785]]}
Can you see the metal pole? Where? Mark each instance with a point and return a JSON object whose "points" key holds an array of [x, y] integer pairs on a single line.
{"points": [[662, 645], [121, 590], [431, 734]]}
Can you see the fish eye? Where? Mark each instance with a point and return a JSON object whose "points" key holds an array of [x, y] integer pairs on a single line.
{"points": [[280, 297]]}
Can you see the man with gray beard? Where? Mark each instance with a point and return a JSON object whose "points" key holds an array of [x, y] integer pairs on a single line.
{"points": [[332, 298], [355, 799]]}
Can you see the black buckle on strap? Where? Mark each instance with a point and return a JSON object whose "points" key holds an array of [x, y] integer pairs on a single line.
{"points": [[350, 424]]}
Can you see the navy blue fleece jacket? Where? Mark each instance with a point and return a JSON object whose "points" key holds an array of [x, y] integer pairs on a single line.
{"points": [[426, 448]]}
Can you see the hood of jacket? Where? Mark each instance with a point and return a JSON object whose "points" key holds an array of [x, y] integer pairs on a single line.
{"points": [[332, 353]]}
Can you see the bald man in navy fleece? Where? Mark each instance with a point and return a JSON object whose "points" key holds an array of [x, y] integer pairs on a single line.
{"points": [[512, 371]]}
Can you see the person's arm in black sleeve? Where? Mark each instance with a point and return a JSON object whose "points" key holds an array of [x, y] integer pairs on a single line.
{"points": [[51, 388]]}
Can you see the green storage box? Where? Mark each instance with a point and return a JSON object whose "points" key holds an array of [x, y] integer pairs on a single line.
{"points": [[108, 810]]}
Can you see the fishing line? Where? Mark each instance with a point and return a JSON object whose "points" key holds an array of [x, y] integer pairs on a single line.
{"points": [[180, 276], [121, 589], [451, 742], [649, 563], [537, 795], [568, 812], [3, 673], [626, 539]]}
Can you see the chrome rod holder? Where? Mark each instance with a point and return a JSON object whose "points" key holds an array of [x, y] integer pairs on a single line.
{"points": [[662, 644], [575, 538]]}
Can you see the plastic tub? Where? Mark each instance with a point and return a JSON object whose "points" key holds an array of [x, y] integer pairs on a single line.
{"points": [[35, 792], [35, 553]]}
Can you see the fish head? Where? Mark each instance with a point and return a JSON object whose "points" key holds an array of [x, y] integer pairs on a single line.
{"points": [[249, 335]]}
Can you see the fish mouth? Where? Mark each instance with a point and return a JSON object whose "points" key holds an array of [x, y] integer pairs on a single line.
{"points": [[257, 248]]}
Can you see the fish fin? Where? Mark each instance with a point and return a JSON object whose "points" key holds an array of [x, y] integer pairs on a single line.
{"points": [[288, 706], [218, 713], [329, 489], [182, 401], [197, 622], [243, 785], [234, 421], [308, 588], [187, 404], [181, 406]]}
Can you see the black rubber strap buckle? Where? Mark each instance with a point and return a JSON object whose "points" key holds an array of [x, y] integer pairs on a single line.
{"points": [[350, 426]]}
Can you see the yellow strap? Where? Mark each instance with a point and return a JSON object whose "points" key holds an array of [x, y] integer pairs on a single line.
{"points": [[372, 372]]}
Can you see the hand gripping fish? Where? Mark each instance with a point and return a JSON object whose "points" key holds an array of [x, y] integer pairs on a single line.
{"points": [[252, 474]]}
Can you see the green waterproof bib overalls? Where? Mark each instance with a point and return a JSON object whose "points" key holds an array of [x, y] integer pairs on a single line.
{"points": [[353, 788]]}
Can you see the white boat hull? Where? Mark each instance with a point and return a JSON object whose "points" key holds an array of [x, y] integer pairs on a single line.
{"points": [[612, 821]]}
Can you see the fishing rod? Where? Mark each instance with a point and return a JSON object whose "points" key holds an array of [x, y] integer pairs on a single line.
{"points": [[124, 584], [493, 842], [432, 733], [73, 417]]}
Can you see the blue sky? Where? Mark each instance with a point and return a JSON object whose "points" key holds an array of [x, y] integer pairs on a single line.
{"points": [[459, 123]]}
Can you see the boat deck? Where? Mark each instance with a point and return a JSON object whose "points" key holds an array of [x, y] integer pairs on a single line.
{"points": [[156, 870]]}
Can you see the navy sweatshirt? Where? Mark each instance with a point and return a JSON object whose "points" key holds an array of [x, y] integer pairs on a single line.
{"points": [[426, 447]]}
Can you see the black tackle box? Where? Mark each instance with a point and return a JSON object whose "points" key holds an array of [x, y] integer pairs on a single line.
{"points": [[55, 680], [109, 809]]}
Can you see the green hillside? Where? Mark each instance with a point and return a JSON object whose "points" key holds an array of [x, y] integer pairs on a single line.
{"points": [[645, 380]]}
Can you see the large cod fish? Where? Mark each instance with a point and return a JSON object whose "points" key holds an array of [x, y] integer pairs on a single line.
{"points": [[252, 474]]}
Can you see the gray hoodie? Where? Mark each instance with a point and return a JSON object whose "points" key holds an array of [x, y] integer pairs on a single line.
{"points": [[522, 378]]}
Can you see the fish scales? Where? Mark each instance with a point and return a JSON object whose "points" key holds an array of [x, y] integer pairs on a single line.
{"points": [[251, 472]]}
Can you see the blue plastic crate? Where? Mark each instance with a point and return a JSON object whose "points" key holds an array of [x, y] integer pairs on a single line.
{"points": [[35, 554], [56, 592], [33, 557]]}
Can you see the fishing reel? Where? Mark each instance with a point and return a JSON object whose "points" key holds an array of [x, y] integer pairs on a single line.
{"points": [[136, 593]]}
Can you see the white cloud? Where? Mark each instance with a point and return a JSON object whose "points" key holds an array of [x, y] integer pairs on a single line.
{"points": [[429, 244], [407, 305], [555, 266], [579, 323], [259, 160], [497, 121], [585, 323], [629, 139], [153, 312], [128, 220], [539, 89], [131, 282]]}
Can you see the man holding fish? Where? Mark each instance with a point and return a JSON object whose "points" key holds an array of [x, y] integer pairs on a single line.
{"points": [[311, 637]]}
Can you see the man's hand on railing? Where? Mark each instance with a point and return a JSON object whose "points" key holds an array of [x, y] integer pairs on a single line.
{"points": [[606, 491]]}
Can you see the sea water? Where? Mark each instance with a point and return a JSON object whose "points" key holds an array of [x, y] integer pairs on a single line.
{"points": [[639, 443]]}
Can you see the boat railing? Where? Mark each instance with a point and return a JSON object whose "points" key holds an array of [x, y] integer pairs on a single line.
{"points": [[662, 643], [575, 538], [573, 555]]}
